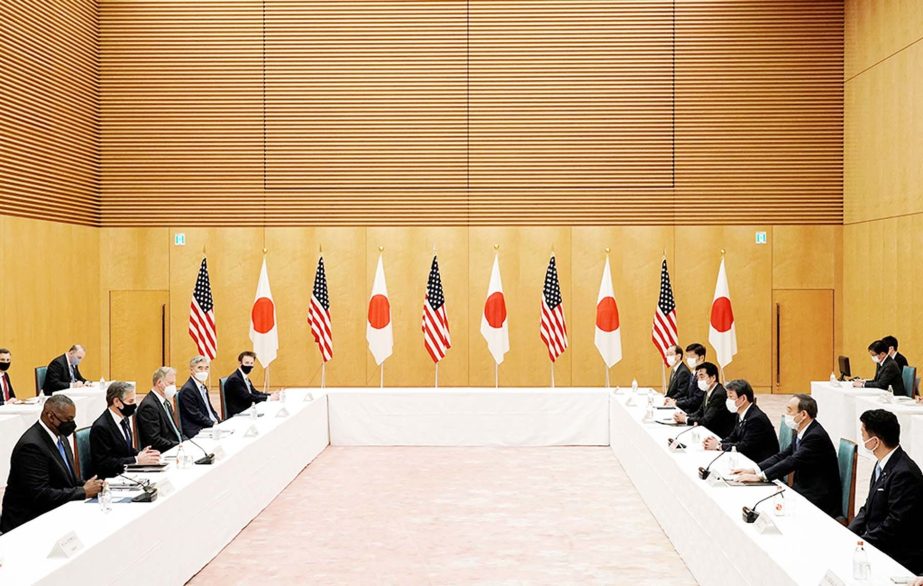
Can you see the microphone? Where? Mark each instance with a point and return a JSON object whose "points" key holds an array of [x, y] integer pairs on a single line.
{"points": [[749, 513], [672, 440], [705, 472], [149, 494], [207, 459]]}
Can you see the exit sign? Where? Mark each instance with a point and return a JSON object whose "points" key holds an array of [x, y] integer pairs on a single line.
{"points": [[179, 239], [761, 238]]}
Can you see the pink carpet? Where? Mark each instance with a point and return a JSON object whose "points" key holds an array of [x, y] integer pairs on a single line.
{"points": [[454, 516]]}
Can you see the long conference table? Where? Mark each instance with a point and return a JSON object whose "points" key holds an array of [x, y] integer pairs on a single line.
{"points": [[16, 418], [170, 540], [840, 405], [202, 508], [704, 522]]}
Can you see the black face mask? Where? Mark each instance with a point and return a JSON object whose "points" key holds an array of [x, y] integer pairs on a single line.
{"points": [[65, 428], [128, 410], [4, 366], [246, 369]]}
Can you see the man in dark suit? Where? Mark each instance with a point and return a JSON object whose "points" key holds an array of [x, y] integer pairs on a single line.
{"points": [[239, 392], [893, 512], [891, 343], [811, 456], [42, 474], [63, 371], [6, 386], [712, 413], [155, 418], [111, 440], [679, 373], [889, 375], [196, 411], [753, 434], [690, 398]]}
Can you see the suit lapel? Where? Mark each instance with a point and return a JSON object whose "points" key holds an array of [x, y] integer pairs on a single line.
{"points": [[56, 455]]}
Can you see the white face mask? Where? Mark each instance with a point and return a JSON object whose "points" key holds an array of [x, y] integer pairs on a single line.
{"points": [[691, 362], [866, 449], [875, 359], [790, 421], [671, 359], [170, 392], [703, 385], [731, 405], [201, 376]]}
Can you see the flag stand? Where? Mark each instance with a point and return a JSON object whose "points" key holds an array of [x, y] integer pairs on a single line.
{"points": [[323, 375], [437, 376], [552, 375]]}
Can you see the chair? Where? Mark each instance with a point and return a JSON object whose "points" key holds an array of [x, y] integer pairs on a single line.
{"points": [[82, 451], [909, 375], [786, 434], [224, 410], [847, 457], [40, 372]]}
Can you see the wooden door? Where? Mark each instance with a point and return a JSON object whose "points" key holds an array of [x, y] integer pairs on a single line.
{"points": [[802, 338], [138, 340]]}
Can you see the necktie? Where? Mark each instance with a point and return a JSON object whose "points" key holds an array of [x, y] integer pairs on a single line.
{"points": [[4, 381], [169, 408], [70, 368], [63, 453], [126, 430], [208, 406], [877, 470], [794, 443]]}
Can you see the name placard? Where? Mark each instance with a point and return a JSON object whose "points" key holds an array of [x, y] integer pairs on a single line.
{"points": [[765, 525], [831, 579], [219, 453], [165, 488], [66, 547]]}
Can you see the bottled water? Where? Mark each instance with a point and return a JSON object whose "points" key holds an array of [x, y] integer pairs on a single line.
{"points": [[732, 458], [634, 385], [105, 498], [861, 570], [180, 456]]}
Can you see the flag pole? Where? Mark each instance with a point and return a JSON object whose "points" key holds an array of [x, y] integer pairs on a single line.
{"points": [[607, 377], [323, 375], [720, 366], [437, 376], [496, 375], [552, 375], [266, 379], [382, 370], [663, 377]]}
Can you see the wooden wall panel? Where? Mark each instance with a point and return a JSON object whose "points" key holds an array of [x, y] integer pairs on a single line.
{"points": [[877, 29], [465, 257], [512, 113], [51, 295], [759, 111], [49, 123]]}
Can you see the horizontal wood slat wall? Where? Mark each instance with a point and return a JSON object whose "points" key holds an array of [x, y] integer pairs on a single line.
{"points": [[49, 97], [471, 112]]}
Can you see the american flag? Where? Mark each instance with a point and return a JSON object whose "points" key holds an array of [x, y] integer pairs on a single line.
{"points": [[435, 321], [202, 315], [553, 330], [664, 332], [319, 313]]}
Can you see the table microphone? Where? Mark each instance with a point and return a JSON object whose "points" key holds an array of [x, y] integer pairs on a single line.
{"points": [[207, 459], [149, 494], [750, 515], [671, 440], [705, 472]]}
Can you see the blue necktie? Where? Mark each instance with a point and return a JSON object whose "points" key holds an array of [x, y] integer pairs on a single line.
{"points": [[63, 453], [877, 470], [126, 431]]}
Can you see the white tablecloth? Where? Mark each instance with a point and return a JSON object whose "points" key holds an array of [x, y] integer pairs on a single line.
{"points": [[907, 414], [469, 417], [704, 522], [15, 419], [836, 408], [168, 541]]}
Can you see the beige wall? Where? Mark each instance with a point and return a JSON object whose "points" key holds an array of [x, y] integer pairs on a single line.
{"points": [[883, 189], [50, 292], [796, 257]]}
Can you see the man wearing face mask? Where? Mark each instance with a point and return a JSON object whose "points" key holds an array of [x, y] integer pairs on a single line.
{"points": [[6, 386], [679, 373], [239, 392], [891, 343], [712, 413], [196, 411], [753, 434], [42, 474], [156, 420], [888, 375], [690, 398], [893, 512], [63, 372], [811, 456], [111, 439]]}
